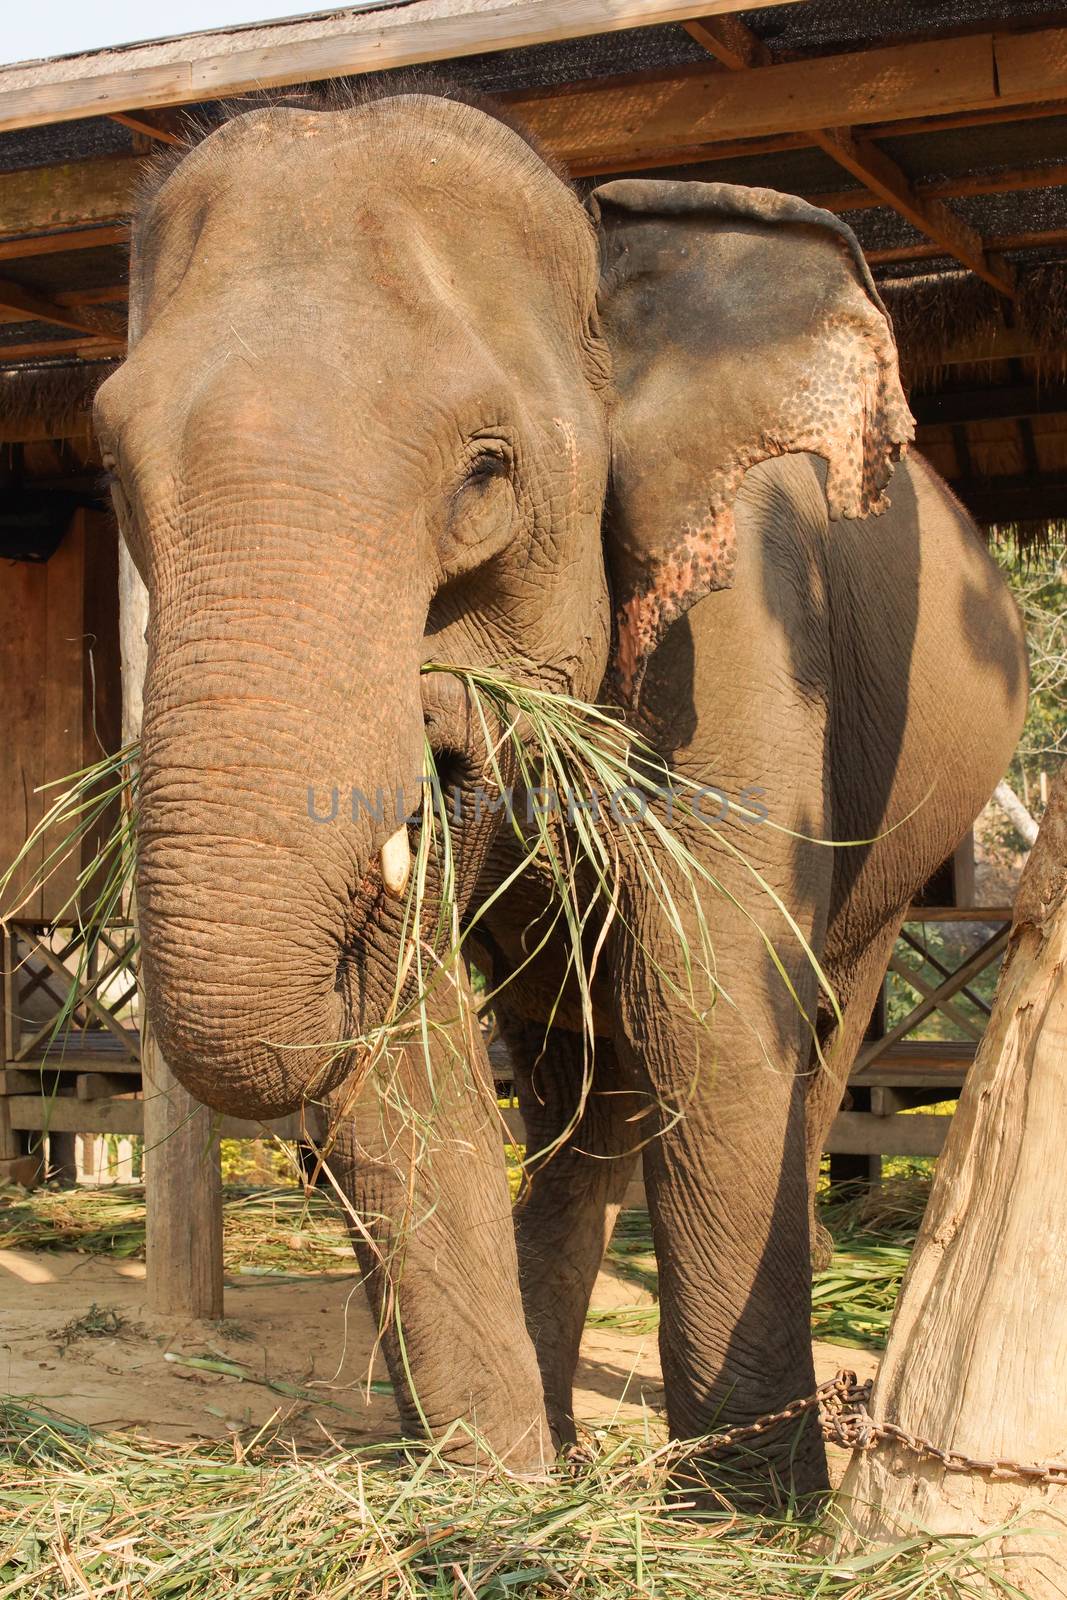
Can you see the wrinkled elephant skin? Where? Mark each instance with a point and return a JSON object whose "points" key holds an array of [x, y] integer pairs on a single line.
{"points": [[394, 394]]}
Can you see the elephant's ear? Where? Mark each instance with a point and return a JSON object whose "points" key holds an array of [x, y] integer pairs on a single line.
{"points": [[743, 324]]}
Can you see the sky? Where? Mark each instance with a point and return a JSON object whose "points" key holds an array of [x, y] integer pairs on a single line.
{"points": [[62, 27]]}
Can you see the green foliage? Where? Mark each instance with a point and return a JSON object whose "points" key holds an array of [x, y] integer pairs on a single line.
{"points": [[1038, 579], [256, 1163]]}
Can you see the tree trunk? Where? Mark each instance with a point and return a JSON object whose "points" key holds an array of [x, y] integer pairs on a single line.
{"points": [[977, 1355], [183, 1185]]}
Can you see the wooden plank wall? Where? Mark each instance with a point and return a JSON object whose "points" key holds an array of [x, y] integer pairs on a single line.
{"points": [[52, 615]]}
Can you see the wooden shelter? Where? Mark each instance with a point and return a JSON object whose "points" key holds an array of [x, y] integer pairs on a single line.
{"points": [[937, 128]]}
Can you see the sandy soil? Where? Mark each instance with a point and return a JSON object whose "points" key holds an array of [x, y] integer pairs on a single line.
{"points": [[114, 1366]]}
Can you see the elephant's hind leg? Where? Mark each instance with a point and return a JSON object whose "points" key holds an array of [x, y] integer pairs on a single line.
{"points": [[572, 1195]]}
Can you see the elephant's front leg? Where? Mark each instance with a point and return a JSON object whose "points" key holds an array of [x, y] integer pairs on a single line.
{"points": [[572, 1194], [727, 1190], [419, 1154]]}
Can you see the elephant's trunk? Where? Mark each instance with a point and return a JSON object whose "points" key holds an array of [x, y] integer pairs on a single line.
{"points": [[257, 875]]}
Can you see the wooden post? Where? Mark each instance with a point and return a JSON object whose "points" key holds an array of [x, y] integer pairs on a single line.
{"points": [[183, 1195], [977, 1355], [183, 1185]]}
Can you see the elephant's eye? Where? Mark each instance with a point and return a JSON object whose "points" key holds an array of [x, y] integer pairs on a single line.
{"points": [[486, 467], [482, 509]]}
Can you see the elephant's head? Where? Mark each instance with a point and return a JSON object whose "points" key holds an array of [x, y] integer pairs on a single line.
{"points": [[384, 380]]}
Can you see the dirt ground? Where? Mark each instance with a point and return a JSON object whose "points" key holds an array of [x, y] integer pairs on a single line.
{"points": [[75, 1334]]}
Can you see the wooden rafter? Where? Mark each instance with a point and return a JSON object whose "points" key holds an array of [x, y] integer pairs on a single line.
{"points": [[995, 344], [45, 199], [648, 114], [906, 127], [733, 43], [29, 306], [110, 294], [730, 150], [88, 348], [159, 125], [885, 179], [28, 430], [1007, 402], [236, 61], [47, 244], [1019, 498], [918, 79], [1025, 240], [1005, 180], [691, 114]]}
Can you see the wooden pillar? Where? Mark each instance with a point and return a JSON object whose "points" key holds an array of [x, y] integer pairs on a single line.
{"points": [[977, 1356], [183, 1186], [183, 1195]]}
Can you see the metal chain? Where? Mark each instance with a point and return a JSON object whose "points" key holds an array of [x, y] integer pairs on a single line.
{"points": [[845, 1420]]}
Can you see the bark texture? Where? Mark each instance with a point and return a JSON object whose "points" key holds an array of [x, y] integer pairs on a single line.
{"points": [[977, 1354]]}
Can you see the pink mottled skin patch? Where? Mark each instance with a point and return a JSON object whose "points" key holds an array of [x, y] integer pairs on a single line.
{"points": [[848, 407], [702, 561]]}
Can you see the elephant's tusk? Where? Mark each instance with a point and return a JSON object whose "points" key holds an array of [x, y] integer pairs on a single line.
{"points": [[396, 863]]}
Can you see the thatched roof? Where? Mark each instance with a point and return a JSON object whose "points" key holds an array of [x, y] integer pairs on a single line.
{"points": [[958, 194]]}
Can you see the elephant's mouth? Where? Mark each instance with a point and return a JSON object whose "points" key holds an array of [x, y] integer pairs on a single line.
{"points": [[458, 800]]}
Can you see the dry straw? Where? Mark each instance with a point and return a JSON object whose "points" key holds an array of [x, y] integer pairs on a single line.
{"points": [[89, 1515]]}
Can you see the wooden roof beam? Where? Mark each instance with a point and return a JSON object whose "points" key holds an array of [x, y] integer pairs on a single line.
{"points": [[50, 244], [1002, 241], [31, 430], [1008, 402], [159, 125], [235, 61], [1007, 180], [968, 72], [29, 306], [109, 294], [886, 180], [994, 344], [733, 43], [733, 149], [614, 120], [38, 350], [42, 199], [1019, 498]]}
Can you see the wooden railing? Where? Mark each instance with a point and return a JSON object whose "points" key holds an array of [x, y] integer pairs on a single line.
{"points": [[71, 1039], [902, 1068], [84, 1075], [69, 998], [940, 998]]}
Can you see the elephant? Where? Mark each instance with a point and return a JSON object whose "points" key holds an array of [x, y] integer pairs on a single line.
{"points": [[396, 395]]}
